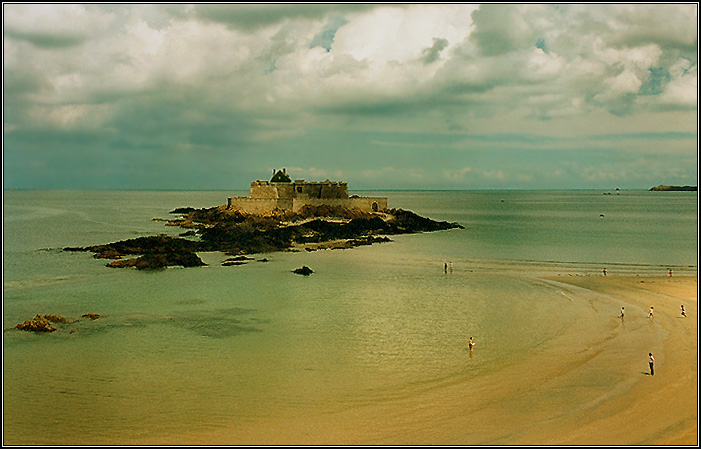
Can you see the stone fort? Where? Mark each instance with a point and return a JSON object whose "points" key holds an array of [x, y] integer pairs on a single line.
{"points": [[284, 194]]}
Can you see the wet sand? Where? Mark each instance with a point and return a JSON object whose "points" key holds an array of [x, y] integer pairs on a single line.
{"points": [[591, 386], [655, 410]]}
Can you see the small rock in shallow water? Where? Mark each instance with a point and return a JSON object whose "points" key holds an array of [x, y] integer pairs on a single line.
{"points": [[304, 271], [38, 324]]}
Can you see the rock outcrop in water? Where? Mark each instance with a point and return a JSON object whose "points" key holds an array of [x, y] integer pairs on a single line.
{"points": [[154, 252], [304, 271], [236, 233], [44, 323], [41, 323]]}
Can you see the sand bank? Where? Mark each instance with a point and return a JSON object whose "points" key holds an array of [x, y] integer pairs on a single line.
{"points": [[589, 387]]}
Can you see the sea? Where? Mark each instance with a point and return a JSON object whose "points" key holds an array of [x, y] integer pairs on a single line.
{"points": [[197, 350]]}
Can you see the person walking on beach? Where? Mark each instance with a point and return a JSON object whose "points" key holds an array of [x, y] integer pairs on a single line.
{"points": [[650, 313], [652, 365], [471, 344], [683, 311], [604, 271], [445, 267], [622, 312], [670, 272]]}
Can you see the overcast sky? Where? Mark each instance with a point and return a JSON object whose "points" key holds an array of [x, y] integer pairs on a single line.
{"points": [[433, 96]]}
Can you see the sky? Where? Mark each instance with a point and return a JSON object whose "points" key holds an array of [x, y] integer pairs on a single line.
{"points": [[394, 96]]}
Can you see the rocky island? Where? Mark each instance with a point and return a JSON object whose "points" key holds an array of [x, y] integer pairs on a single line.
{"points": [[290, 220], [663, 188]]}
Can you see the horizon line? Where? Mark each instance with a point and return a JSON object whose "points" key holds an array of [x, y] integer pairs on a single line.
{"points": [[6, 189]]}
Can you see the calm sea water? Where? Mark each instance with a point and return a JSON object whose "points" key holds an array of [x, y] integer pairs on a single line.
{"points": [[192, 350]]}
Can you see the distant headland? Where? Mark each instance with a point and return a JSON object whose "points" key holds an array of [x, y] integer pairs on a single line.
{"points": [[663, 188], [280, 215]]}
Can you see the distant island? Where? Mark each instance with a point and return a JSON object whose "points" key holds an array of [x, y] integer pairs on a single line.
{"points": [[663, 188], [279, 216]]}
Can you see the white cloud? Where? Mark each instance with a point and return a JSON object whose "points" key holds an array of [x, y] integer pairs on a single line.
{"points": [[388, 35], [682, 90], [313, 173], [458, 175]]}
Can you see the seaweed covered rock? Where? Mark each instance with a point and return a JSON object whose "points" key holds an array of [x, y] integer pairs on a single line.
{"points": [[405, 221], [44, 323], [41, 323], [152, 261], [154, 251]]}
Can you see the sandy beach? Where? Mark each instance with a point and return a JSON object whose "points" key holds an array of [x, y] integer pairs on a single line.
{"points": [[590, 387], [655, 410]]}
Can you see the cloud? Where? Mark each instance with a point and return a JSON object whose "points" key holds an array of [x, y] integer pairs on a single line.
{"points": [[594, 57], [501, 28], [457, 175], [432, 54], [326, 36], [249, 17], [313, 173], [252, 81], [47, 40]]}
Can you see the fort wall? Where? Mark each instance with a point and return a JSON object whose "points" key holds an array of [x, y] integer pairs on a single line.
{"points": [[299, 189], [264, 205], [258, 205]]}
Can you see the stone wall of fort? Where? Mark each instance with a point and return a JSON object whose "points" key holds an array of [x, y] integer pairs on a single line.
{"points": [[320, 189], [258, 205], [263, 190], [299, 189], [366, 204], [264, 205]]}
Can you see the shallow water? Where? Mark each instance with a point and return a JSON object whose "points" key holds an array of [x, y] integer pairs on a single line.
{"points": [[188, 350]]}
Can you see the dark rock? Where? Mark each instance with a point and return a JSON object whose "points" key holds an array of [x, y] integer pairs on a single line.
{"points": [[92, 316], [238, 259], [304, 271], [155, 252], [153, 261], [183, 210]]}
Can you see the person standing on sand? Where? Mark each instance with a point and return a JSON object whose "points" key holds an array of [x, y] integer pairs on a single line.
{"points": [[604, 271], [670, 272], [683, 311], [471, 344], [652, 365], [650, 314], [622, 312]]}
